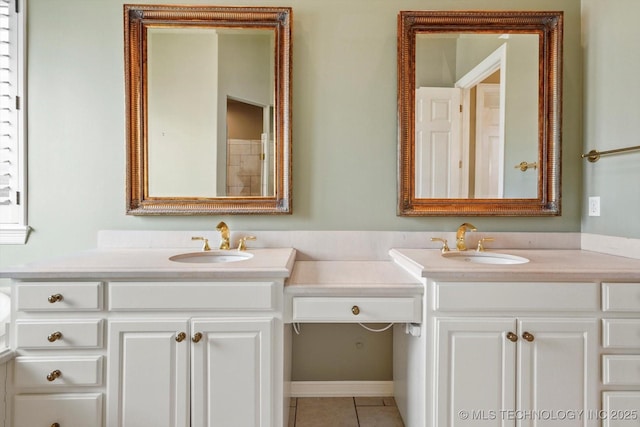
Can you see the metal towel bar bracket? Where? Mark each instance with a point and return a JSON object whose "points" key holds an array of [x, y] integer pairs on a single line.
{"points": [[594, 155]]}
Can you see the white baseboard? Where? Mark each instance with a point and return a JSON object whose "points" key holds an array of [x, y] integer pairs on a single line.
{"points": [[341, 388]]}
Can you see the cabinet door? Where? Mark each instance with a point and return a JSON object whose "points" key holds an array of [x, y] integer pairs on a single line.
{"points": [[558, 371], [148, 376], [232, 373], [475, 372]]}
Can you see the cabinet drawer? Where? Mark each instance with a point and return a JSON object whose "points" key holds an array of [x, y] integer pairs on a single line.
{"points": [[514, 296], [68, 410], [623, 297], [356, 309], [130, 296], [55, 296], [58, 372], [621, 369], [72, 334], [620, 408], [621, 333]]}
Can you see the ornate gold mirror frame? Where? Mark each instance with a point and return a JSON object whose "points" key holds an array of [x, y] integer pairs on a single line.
{"points": [[138, 19], [548, 26]]}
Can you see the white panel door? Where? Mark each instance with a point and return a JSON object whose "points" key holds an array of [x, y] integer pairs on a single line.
{"points": [[438, 156], [148, 379], [489, 176], [231, 373], [475, 372], [558, 371]]}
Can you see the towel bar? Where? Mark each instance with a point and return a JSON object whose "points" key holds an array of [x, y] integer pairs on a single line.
{"points": [[594, 155]]}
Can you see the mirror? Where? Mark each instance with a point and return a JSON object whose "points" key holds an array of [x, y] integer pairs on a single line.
{"points": [[208, 109], [479, 113]]}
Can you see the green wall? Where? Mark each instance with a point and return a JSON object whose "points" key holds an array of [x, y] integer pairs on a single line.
{"points": [[611, 40], [344, 123]]}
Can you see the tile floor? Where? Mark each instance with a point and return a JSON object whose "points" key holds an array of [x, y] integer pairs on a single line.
{"points": [[344, 412]]}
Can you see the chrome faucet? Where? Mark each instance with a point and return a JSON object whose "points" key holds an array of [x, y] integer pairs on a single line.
{"points": [[460, 235], [224, 235]]}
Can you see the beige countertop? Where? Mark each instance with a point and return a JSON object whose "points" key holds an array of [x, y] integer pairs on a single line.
{"points": [[364, 278], [543, 265], [154, 264]]}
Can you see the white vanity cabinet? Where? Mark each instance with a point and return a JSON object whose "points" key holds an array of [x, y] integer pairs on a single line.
{"points": [[58, 337], [621, 354], [214, 372], [216, 368], [148, 353], [507, 354]]}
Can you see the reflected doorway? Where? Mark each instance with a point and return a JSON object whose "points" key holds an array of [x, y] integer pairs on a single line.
{"points": [[460, 134], [249, 149]]}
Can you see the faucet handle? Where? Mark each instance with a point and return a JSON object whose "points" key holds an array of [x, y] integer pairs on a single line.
{"points": [[480, 247], [205, 245], [445, 246], [242, 243]]}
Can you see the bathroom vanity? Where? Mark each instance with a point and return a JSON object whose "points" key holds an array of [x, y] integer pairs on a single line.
{"points": [[522, 344], [116, 336], [128, 337]]}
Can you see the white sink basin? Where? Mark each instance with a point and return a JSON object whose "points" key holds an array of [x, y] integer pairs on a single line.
{"points": [[486, 257], [210, 257]]}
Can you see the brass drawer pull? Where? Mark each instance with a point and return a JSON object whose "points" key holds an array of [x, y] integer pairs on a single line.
{"points": [[53, 375], [196, 337], [355, 310], [512, 337], [55, 298], [55, 425], [527, 336], [181, 336], [55, 336]]}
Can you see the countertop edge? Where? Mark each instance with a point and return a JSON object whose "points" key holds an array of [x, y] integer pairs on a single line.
{"points": [[544, 265]]}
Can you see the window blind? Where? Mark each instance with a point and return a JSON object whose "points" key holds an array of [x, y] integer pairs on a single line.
{"points": [[12, 209]]}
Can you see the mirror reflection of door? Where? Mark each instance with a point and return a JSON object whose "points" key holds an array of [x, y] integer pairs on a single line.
{"points": [[489, 142], [249, 149], [460, 155], [460, 140], [439, 172], [496, 77]]}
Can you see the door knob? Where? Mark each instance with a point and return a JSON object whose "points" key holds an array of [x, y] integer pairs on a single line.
{"points": [[527, 336], [512, 337]]}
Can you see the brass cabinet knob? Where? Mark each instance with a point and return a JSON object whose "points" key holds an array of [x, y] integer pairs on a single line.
{"points": [[55, 425], [196, 337], [512, 337], [55, 298], [53, 375], [181, 336], [527, 336], [55, 336], [355, 310]]}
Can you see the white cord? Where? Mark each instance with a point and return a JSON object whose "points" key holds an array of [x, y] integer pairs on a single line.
{"points": [[296, 328], [376, 330]]}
